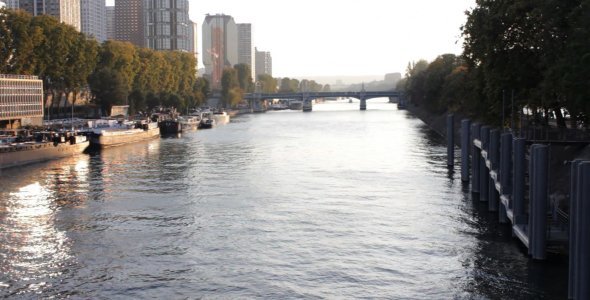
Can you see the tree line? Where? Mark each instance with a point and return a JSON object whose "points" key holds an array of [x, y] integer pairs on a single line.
{"points": [[115, 72], [536, 53]]}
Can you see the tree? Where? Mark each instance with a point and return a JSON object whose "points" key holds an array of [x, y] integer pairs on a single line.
{"points": [[82, 61], [268, 83], [231, 92], [201, 90], [109, 88], [245, 77]]}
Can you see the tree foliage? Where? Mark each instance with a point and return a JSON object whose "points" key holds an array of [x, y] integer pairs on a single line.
{"points": [[537, 50]]}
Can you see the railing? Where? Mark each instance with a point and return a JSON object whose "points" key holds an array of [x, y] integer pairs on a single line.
{"points": [[12, 76]]}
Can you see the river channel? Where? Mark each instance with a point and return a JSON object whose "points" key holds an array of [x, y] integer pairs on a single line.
{"points": [[336, 203]]}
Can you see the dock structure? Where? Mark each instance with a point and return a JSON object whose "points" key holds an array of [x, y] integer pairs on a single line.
{"points": [[512, 175]]}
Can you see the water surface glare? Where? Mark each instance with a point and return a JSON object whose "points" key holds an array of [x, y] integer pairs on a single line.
{"points": [[336, 203]]}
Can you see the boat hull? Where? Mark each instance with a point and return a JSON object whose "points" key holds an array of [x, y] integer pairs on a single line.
{"points": [[112, 140], [38, 152]]}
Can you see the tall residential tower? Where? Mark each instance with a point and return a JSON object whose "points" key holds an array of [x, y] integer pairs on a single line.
{"points": [[129, 21], [167, 25], [263, 63], [66, 11], [245, 55], [220, 49], [93, 18], [110, 22]]}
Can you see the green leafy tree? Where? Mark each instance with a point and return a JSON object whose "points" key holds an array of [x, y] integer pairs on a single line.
{"points": [[245, 77], [267, 83], [109, 88], [231, 92]]}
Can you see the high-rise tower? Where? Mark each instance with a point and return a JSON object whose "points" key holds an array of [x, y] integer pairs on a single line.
{"points": [[110, 22], [66, 11], [263, 63], [93, 18], [245, 55], [129, 21], [167, 25], [220, 49]]}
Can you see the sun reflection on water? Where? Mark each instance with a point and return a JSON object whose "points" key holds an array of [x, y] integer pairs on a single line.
{"points": [[33, 248]]}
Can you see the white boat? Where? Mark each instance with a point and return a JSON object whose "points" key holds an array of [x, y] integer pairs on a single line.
{"points": [[189, 122], [207, 120], [220, 118], [105, 133]]}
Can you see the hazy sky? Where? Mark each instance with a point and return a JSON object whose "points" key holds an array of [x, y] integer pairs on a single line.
{"points": [[319, 37]]}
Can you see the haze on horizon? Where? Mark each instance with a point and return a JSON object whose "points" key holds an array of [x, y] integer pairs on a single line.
{"points": [[347, 38]]}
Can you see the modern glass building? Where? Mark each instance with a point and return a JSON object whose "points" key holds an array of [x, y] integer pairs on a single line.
{"points": [[66, 11], [21, 100], [167, 25], [220, 46]]}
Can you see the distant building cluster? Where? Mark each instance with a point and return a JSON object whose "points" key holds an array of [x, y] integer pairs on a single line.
{"points": [[159, 25], [227, 43]]}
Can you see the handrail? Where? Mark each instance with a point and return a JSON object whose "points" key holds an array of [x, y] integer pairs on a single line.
{"points": [[13, 76]]}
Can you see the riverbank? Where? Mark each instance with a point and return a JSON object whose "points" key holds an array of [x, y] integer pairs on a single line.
{"points": [[561, 154]]}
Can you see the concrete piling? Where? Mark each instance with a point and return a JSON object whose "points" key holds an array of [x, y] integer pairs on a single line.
{"points": [[465, 147]]}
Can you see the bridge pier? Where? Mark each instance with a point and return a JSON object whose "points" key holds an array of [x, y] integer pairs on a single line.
{"points": [[363, 104]]}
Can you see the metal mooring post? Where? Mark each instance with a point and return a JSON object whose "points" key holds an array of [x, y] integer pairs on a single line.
{"points": [[518, 206], [506, 164], [539, 201], [494, 147], [450, 140], [484, 173], [475, 157], [574, 212], [582, 278], [465, 147]]}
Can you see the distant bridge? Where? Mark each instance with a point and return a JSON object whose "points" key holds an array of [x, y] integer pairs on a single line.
{"points": [[306, 97]]}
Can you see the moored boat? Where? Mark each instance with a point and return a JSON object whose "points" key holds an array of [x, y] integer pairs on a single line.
{"points": [[39, 147], [122, 133], [207, 120], [189, 122], [220, 117]]}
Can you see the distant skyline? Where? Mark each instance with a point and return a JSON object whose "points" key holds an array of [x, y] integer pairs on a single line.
{"points": [[317, 38]]}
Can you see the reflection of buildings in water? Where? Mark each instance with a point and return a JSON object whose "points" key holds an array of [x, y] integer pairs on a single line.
{"points": [[32, 248]]}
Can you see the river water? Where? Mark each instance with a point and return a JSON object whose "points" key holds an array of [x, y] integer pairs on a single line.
{"points": [[336, 203]]}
